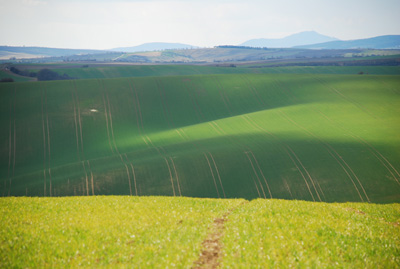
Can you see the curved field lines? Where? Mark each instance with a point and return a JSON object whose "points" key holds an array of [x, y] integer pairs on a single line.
{"points": [[290, 153], [218, 128], [108, 129], [86, 183], [269, 136], [91, 177], [224, 96], [254, 92], [260, 171], [79, 118], [348, 99], [107, 109], [193, 99], [176, 176], [134, 176], [12, 144], [378, 155], [138, 112], [301, 173], [339, 159], [258, 178], [164, 103], [212, 174], [216, 169], [76, 127], [136, 106], [172, 170], [46, 141], [287, 187]]}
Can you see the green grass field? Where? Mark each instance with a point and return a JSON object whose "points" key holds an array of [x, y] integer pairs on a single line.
{"points": [[316, 137], [4, 74], [115, 71], [161, 232]]}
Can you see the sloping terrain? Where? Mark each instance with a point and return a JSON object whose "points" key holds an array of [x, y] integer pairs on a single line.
{"points": [[311, 137], [92, 71]]}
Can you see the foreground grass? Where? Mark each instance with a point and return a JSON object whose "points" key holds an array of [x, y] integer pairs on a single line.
{"points": [[147, 232], [165, 232], [278, 233]]}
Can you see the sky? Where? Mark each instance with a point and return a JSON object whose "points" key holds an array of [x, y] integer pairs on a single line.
{"points": [[103, 24]]}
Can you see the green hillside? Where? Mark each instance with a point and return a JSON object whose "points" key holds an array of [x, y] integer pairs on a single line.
{"points": [[291, 136], [5, 74], [112, 71], [161, 232]]}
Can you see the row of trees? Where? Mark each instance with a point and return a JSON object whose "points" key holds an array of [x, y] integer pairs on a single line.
{"points": [[24, 73], [42, 75], [47, 74]]}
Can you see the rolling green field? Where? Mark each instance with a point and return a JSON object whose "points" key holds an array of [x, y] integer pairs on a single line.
{"points": [[117, 71], [166, 232], [4, 74], [313, 137]]}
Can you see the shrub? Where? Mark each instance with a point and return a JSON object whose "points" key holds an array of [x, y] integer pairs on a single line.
{"points": [[6, 80]]}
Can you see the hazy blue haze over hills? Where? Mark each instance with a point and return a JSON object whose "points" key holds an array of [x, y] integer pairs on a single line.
{"points": [[379, 42], [154, 46], [43, 51], [303, 38]]}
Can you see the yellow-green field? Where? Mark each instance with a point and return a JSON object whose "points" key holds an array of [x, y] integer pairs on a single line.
{"points": [[165, 232]]}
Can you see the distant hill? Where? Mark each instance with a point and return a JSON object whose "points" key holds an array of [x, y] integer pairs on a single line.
{"points": [[303, 38], [7, 52], [154, 46], [379, 42]]}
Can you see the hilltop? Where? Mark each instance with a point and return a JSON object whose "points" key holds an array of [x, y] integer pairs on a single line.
{"points": [[379, 42], [299, 39]]}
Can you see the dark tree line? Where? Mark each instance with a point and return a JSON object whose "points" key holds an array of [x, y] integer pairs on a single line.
{"points": [[6, 80], [47, 74], [24, 73], [43, 74]]}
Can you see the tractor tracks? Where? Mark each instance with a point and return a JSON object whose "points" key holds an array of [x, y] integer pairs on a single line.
{"points": [[211, 252]]}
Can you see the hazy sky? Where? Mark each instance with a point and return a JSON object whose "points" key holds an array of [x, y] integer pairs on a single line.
{"points": [[103, 24]]}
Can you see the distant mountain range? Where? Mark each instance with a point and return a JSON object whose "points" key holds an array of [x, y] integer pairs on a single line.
{"points": [[299, 39], [303, 40], [379, 42], [154, 46]]}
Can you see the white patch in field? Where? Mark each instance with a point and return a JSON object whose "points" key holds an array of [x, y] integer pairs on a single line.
{"points": [[94, 110]]}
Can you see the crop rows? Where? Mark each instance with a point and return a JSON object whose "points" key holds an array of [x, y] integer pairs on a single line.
{"points": [[311, 137]]}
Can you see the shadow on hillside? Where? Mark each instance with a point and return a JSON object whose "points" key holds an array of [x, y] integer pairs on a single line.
{"points": [[248, 166]]}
